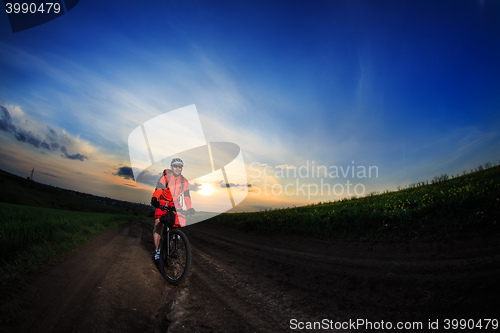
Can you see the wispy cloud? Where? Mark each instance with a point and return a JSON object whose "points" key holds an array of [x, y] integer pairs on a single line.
{"points": [[23, 130]]}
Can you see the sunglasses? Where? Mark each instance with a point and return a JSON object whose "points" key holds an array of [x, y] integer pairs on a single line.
{"points": [[177, 166]]}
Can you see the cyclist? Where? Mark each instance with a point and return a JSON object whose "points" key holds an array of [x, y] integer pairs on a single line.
{"points": [[170, 190]]}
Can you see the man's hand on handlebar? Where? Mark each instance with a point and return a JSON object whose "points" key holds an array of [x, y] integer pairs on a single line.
{"points": [[190, 211], [167, 208]]}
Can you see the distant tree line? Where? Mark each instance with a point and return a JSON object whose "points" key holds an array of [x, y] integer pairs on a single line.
{"points": [[445, 177]]}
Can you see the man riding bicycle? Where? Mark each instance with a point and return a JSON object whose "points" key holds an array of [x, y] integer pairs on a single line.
{"points": [[172, 188]]}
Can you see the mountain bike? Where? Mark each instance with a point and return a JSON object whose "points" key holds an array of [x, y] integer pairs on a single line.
{"points": [[175, 251]]}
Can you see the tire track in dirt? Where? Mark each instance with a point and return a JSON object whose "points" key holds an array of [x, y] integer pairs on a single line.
{"points": [[109, 284], [294, 277]]}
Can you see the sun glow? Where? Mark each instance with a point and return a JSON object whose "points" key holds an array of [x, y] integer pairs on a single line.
{"points": [[206, 189]]}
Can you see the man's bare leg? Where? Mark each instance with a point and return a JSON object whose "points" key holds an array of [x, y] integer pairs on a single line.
{"points": [[157, 233]]}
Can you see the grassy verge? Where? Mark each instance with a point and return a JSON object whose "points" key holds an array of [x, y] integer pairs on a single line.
{"points": [[17, 190], [32, 236], [466, 206]]}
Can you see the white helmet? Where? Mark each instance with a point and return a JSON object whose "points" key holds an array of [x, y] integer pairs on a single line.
{"points": [[176, 161]]}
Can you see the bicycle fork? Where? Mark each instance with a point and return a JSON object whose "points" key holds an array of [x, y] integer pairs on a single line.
{"points": [[175, 244]]}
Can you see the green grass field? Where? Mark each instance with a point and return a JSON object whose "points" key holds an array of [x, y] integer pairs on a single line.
{"points": [[465, 206], [40, 223], [17, 190], [32, 236]]}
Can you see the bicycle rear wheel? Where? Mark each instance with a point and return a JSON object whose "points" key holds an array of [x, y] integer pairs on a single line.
{"points": [[175, 257]]}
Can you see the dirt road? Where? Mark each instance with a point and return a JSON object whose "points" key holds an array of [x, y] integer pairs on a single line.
{"points": [[248, 283]]}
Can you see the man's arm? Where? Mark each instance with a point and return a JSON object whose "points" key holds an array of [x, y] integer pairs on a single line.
{"points": [[161, 193], [187, 199]]}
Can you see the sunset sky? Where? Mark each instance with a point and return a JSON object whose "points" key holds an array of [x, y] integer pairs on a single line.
{"points": [[320, 96]]}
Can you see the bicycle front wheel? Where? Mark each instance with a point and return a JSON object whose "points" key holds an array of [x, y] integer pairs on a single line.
{"points": [[175, 257]]}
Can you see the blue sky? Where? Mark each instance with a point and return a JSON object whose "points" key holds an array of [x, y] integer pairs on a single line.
{"points": [[411, 87]]}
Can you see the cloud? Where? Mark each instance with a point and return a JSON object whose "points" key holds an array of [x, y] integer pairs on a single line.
{"points": [[48, 174], [125, 172], [234, 185], [76, 156], [146, 177], [51, 141], [286, 166], [6, 121], [195, 187], [31, 138]]}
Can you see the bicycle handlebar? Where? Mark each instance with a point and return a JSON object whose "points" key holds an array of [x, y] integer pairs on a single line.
{"points": [[173, 209]]}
